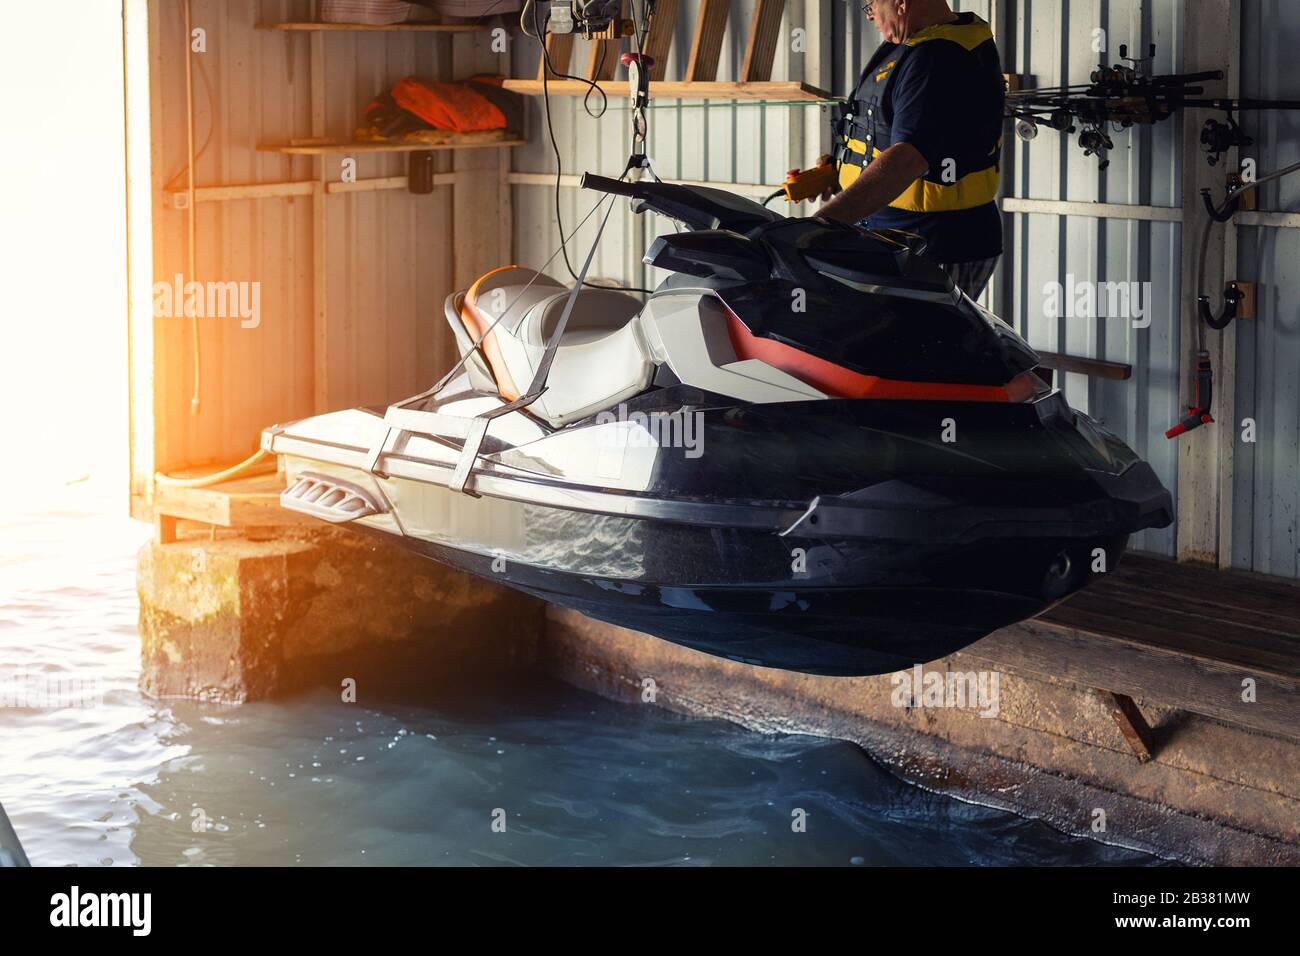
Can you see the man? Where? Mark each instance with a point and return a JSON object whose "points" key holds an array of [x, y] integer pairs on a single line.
{"points": [[919, 140]]}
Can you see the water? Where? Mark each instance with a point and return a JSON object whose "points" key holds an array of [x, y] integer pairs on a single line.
{"points": [[313, 781]]}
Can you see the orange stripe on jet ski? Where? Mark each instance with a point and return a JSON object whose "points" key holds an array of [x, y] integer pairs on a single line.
{"points": [[840, 382], [477, 325]]}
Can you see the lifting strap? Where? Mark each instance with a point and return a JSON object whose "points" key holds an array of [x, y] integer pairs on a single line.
{"points": [[478, 430], [393, 435]]}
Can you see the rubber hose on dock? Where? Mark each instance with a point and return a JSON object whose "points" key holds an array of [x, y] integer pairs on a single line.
{"points": [[215, 478]]}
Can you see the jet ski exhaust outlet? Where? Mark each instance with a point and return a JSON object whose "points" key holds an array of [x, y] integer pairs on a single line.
{"points": [[330, 499]]}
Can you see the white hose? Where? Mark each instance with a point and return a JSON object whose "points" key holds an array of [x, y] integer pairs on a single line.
{"points": [[204, 480]]}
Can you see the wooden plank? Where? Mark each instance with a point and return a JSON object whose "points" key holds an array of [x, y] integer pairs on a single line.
{"points": [[1155, 674], [332, 147], [378, 183], [164, 528], [604, 50], [659, 39], [1225, 385], [1204, 504], [506, 209], [706, 44], [779, 91], [311, 27], [1115, 371], [602, 58], [559, 49], [1182, 633], [1233, 592], [233, 191], [764, 35], [1091, 210], [1277, 626], [136, 38], [252, 501]]}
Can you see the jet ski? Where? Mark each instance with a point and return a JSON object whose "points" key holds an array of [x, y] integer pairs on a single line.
{"points": [[805, 450]]}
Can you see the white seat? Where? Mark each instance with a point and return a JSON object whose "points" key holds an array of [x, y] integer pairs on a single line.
{"points": [[600, 361]]}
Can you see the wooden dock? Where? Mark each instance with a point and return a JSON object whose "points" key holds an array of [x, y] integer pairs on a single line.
{"points": [[250, 501], [1191, 637]]}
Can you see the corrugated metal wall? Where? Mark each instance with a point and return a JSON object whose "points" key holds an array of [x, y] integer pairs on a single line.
{"points": [[389, 253], [1054, 43], [1266, 496]]}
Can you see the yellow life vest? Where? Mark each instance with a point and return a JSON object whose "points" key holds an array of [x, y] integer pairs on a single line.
{"points": [[863, 127]]}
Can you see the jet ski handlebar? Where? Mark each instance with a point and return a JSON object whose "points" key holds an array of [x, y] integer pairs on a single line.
{"points": [[696, 207], [617, 187]]}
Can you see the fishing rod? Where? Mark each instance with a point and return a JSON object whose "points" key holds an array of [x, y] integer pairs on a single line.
{"points": [[11, 851], [1119, 97]]}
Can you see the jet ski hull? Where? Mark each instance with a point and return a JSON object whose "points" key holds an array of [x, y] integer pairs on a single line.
{"points": [[826, 537], [885, 622]]}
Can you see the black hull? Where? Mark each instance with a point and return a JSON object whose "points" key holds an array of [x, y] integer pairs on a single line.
{"points": [[847, 629]]}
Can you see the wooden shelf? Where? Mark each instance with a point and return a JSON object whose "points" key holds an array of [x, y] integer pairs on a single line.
{"points": [[376, 27], [333, 147], [695, 90]]}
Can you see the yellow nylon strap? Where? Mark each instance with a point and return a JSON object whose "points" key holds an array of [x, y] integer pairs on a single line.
{"points": [[973, 189], [967, 35]]}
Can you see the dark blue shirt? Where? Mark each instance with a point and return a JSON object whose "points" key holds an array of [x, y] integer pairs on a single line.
{"points": [[947, 102]]}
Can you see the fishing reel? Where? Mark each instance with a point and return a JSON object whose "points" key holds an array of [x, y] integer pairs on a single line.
{"points": [[1218, 138], [1095, 142], [1121, 79], [1060, 120]]}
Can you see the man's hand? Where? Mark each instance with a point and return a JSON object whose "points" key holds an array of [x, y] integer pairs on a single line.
{"points": [[881, 182], [825, 159]]}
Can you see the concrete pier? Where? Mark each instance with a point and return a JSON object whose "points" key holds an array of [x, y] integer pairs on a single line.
{"points": [[238, 618]]}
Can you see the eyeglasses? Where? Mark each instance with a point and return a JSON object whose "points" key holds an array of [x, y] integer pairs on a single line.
{"points": [[866, 7]]}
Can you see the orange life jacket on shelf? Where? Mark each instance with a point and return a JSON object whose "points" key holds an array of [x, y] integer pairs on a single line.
{"points": [[472, 106]]}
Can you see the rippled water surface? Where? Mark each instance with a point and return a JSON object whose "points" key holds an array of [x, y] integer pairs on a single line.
{"points": [[576, 779]]}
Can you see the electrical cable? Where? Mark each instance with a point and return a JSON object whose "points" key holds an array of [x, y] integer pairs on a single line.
{"points": [[548, 68], [210, 97], [592, 85], [190, 226]]}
